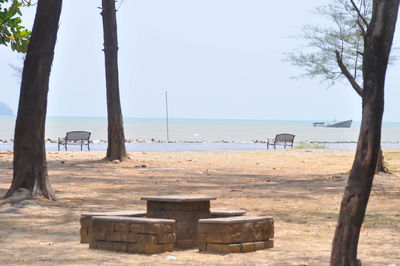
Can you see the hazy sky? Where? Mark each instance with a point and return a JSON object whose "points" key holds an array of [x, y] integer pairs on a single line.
{"points": [[216, 59]]}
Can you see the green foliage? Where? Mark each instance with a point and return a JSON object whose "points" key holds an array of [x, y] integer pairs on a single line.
{"points": [[11, 31], [342, 32], [304, 145]]}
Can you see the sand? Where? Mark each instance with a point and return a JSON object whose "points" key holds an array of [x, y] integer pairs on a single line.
{"points": [[300, 188]]}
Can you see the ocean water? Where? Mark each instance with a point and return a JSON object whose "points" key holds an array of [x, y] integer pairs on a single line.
{"points": [[192, 132]]}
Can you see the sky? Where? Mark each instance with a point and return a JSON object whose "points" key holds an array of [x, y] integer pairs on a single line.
{"points": [[218, 59]]}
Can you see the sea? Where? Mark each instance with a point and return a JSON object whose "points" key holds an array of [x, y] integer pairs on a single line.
{"points": [[153, 134]]}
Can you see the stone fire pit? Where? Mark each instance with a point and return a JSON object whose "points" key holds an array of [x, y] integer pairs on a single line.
{"points": [[182, 222]]}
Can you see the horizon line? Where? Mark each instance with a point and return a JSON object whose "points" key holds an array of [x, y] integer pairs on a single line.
{"points": [[186, 118]]}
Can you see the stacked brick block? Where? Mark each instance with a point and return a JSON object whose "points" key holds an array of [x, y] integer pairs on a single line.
{"points": [[186, 215], [177, 221], [236, 234], [226, 213], [86, 220], [131, 234]]}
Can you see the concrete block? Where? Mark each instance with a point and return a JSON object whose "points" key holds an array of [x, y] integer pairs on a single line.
{"points": [[135, 248], [138, 228], [121, 227], [104, 245], [153, 249], [269, 243], [113, 236], [146, 239], [139, 213], [185, 243], [202, 246], [168, 247], [248, 247], [226, 213], [259, 245], [102, 224], [166, 238], [92, 244], [130, 237], [148, 248], [98, 234], [161, 228], [120, 246], [85, 221], [224, 248], [84, 235]]}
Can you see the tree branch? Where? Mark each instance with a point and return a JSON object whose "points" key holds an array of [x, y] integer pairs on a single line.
{"points": [[361, 28], [347, 74], [359, 13]]}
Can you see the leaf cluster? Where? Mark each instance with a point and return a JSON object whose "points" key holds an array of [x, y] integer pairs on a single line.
{"points": [[12, 32], [342, 32]]}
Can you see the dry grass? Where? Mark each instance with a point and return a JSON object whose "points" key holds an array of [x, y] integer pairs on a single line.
{"points": [[301, 189]]}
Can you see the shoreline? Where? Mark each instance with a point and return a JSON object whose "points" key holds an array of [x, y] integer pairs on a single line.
{"points": [[203, 146]]}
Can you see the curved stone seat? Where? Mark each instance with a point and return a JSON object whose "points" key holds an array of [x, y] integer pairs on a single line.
{"points": [[236, 234], [86, 220], [226, 213], [132, 234]]}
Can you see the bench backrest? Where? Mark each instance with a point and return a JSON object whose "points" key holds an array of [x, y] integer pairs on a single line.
{"points": [[284, 138], [78, 135]]}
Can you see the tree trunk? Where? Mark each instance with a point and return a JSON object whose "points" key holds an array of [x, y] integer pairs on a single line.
{"points": [[116, 138], [380, 164], [30, 167], [378, 41]]}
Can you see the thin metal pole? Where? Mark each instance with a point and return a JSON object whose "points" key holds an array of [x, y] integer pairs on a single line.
{"points": [[166, 113]]}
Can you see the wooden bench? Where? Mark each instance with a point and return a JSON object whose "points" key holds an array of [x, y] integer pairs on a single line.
{"points": [[236, 234], [86, 220], [281, 139], [132, 234], [75, 138]]}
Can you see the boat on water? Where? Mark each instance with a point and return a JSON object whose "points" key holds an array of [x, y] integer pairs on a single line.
{"points": [[346, 123], [318, 124], [342, 124]]}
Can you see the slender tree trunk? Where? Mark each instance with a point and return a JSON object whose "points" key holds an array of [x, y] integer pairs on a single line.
{"points": [[380, 164], [378, 41], [116, 138], [30, 167]]}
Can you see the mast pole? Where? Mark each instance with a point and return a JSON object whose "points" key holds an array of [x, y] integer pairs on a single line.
{"points": [[166, 113]]}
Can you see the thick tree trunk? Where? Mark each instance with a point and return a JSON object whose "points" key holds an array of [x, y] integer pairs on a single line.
{"points": [[116, 138], [378, 41], [30, 167]]}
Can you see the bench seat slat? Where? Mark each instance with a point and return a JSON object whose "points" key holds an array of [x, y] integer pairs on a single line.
{"points": [[283, 139], [75, 138]]}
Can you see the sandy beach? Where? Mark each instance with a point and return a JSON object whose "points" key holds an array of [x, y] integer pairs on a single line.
{"points": [[300, 188]]}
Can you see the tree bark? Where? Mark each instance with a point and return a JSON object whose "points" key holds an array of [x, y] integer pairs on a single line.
{"points": [[30, 166], [380, 164], [116, 138], [378, 42], [381, 167], [347, 74]]}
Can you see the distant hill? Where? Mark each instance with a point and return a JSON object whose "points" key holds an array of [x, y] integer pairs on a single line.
{"points": [[5, 109]]}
